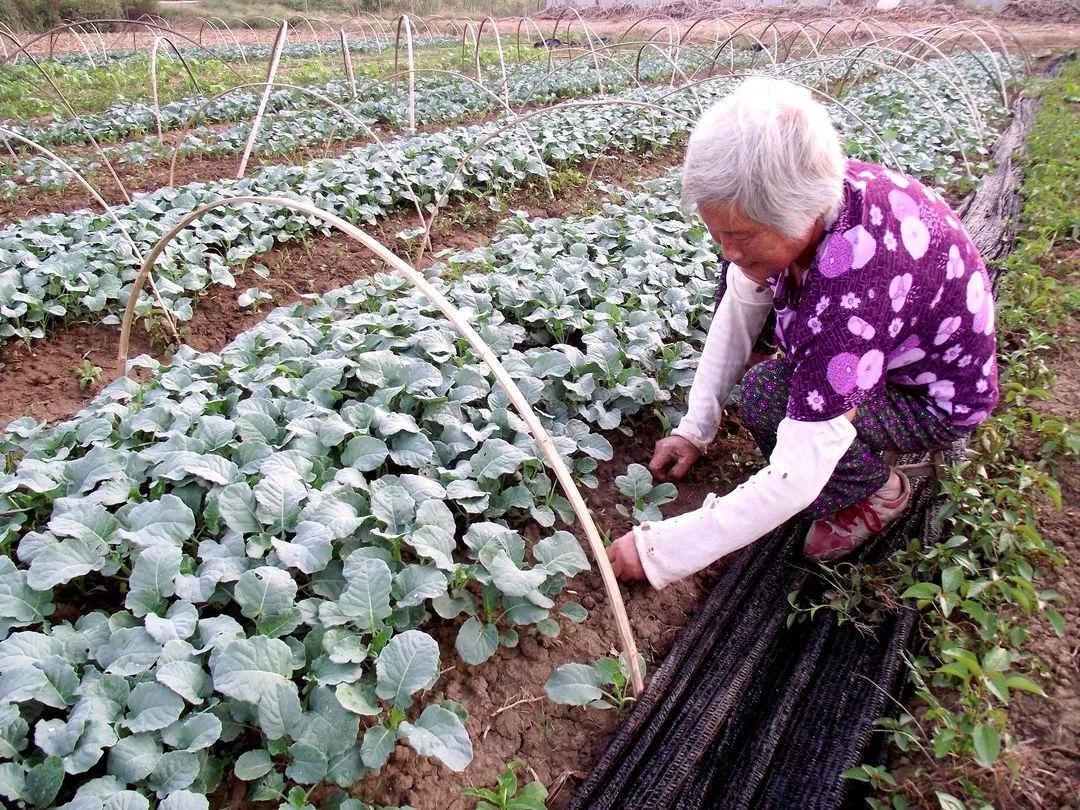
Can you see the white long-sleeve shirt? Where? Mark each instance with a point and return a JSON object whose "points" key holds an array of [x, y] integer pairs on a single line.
{"points": [[802, 462]]}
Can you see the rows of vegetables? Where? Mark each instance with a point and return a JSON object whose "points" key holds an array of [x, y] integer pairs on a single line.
{"points": [[239, 567], [259, 543], [227, 52], [60, 268], [303, 118]]}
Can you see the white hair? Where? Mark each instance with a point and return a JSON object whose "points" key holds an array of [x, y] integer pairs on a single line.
{"points": [[770, 151]]}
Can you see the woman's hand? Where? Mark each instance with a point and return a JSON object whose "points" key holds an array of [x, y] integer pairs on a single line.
{"points": [[673, 458], [623, 556]]}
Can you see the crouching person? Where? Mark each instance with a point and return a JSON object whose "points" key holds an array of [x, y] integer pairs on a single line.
{"points": [[884, 320]]}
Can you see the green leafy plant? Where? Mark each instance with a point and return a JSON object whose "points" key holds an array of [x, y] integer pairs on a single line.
{"points": [[507, 795], [603, 685], [87, 374], [637, 484]]}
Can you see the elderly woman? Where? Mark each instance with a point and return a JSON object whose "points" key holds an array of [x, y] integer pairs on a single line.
{"points": [[883, 314]]}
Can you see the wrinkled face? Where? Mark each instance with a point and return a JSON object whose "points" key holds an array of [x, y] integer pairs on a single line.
{"points": [[760, 252]]}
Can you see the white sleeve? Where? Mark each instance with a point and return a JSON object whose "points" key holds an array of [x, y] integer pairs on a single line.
{"points": [[735, 327], [804, 459]]}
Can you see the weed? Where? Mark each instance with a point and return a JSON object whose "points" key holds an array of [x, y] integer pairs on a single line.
{"points": [[87, 374], [507, 796]]}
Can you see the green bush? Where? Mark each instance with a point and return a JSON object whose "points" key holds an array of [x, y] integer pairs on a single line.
{"points": [[39, 15], [26, 15]]}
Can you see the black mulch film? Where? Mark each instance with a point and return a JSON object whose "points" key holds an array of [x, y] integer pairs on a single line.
{"points": [[746, 712]]}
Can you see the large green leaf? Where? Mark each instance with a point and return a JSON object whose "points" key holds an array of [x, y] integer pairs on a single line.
{"points": [[574, 684], [64, 561], [395, 508], [278, 499], [561, 553], [496, 458], [249, 668], [133, 758], [309, 551], [366, 597], [43, 781], [168, 520], [253, 764], [440, 733], [152, 707], [476, 642], [510, 579], [377, 746], [265, 591], [408, 663], [279, 709], [237, 507]]}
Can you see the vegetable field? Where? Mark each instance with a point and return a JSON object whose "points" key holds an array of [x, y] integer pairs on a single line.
{"points": [[273, 533]]}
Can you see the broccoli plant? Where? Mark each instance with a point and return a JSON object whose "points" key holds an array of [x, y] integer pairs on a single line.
{"points": [[647, 499], [603, 685], [506, 796]]}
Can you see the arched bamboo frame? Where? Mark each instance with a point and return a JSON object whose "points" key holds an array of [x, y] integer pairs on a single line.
{"points": [[271, 74], [504, 86], [158, 39], [460, 322], [152, 26], [588, 38]]}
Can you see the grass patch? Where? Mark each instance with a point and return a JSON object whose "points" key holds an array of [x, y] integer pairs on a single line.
{"points": [[980, 588]]}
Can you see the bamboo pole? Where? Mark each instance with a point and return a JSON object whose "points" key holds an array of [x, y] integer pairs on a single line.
{"points": [[275, 58], [350, 77], [82, 125], [154, 85], [543, 440]]}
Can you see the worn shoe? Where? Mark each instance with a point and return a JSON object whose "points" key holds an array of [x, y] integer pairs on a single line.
{"points": [[835, 537]]}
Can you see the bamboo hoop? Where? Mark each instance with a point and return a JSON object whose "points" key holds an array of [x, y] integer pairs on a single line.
{"points": [[256, 124], [7, 133], [404, 19], [154, 85], [459, 321], [82, 125], [504, 86]]}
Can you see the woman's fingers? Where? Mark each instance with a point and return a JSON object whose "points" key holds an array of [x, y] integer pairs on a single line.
{"points": [[673, 458], [623, 556], [663, 458]]}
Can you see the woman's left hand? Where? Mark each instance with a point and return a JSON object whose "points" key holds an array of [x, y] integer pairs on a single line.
{"points": [[623, 556]]}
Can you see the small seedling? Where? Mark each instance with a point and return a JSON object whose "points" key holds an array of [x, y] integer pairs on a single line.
{"points": [[603, 685], [506, 795], [647, 499], [87, 374], [253, 297]]}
